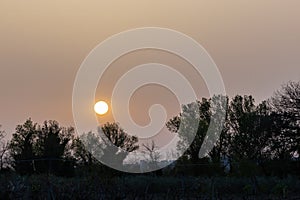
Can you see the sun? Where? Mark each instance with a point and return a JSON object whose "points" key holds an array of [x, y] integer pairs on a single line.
{"points": [[101, 107]]}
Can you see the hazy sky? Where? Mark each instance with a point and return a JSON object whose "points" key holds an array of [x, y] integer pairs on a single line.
{"points": [[255, 44]]}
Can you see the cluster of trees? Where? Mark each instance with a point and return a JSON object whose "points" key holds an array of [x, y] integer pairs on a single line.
{"points": [[263, 138], [51, 148]]}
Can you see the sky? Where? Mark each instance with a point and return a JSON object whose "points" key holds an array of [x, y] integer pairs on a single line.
{"points": [[255, 45]]}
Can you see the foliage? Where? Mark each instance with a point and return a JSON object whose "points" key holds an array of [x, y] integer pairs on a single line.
{"points": [[22, 146], [254, 139], [118, 137], [4, 148], [87, 149], [117, 143], [252, 136], [151, 152], [111, 142], [186, 124], [41, 149], [286, 103]]}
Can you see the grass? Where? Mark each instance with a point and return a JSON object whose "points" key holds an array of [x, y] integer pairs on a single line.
{"points": [[13, 186]]}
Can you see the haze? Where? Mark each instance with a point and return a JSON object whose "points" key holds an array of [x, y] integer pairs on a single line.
{"points": [[255, 44]]}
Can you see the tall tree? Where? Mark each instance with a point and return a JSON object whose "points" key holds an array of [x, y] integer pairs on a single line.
{"points": [[251, 128], [206, 119], [22, 146], [196, 118], [286, 103], [242, 119], [51, 146], [40, 148], [4, 147]]}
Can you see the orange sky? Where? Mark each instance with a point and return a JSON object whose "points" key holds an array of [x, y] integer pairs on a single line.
{"points": [[255, 44]]}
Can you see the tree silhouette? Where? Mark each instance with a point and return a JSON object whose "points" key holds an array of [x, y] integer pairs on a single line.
{"points": [[51, 146], [287, 100], [196, 118], [247, 142], [117, 136], [193, 119], [286, 103], [151, 153], [111, 144], [250, 133], [4, 148], [252, 130], [87, 149], [40, 148], [117, 144], [22, 146]]}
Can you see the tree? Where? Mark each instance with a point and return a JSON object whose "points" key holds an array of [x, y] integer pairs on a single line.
{"points": [[41, 148], [286, 103], [287, 100], [22, 146], [4, 147], [217, 138], [205, 118], [246, 132], [252, 130], [195, 118], [87, 149], [115, 136], [111, 144], [51, 147], [151, 152], [245, 143]]}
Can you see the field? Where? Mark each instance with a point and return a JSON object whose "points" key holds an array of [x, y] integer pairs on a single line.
{"points": [[13, 186]]}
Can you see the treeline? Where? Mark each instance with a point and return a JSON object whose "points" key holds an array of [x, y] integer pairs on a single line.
{"points": [[53, 149], [261, 139]]}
